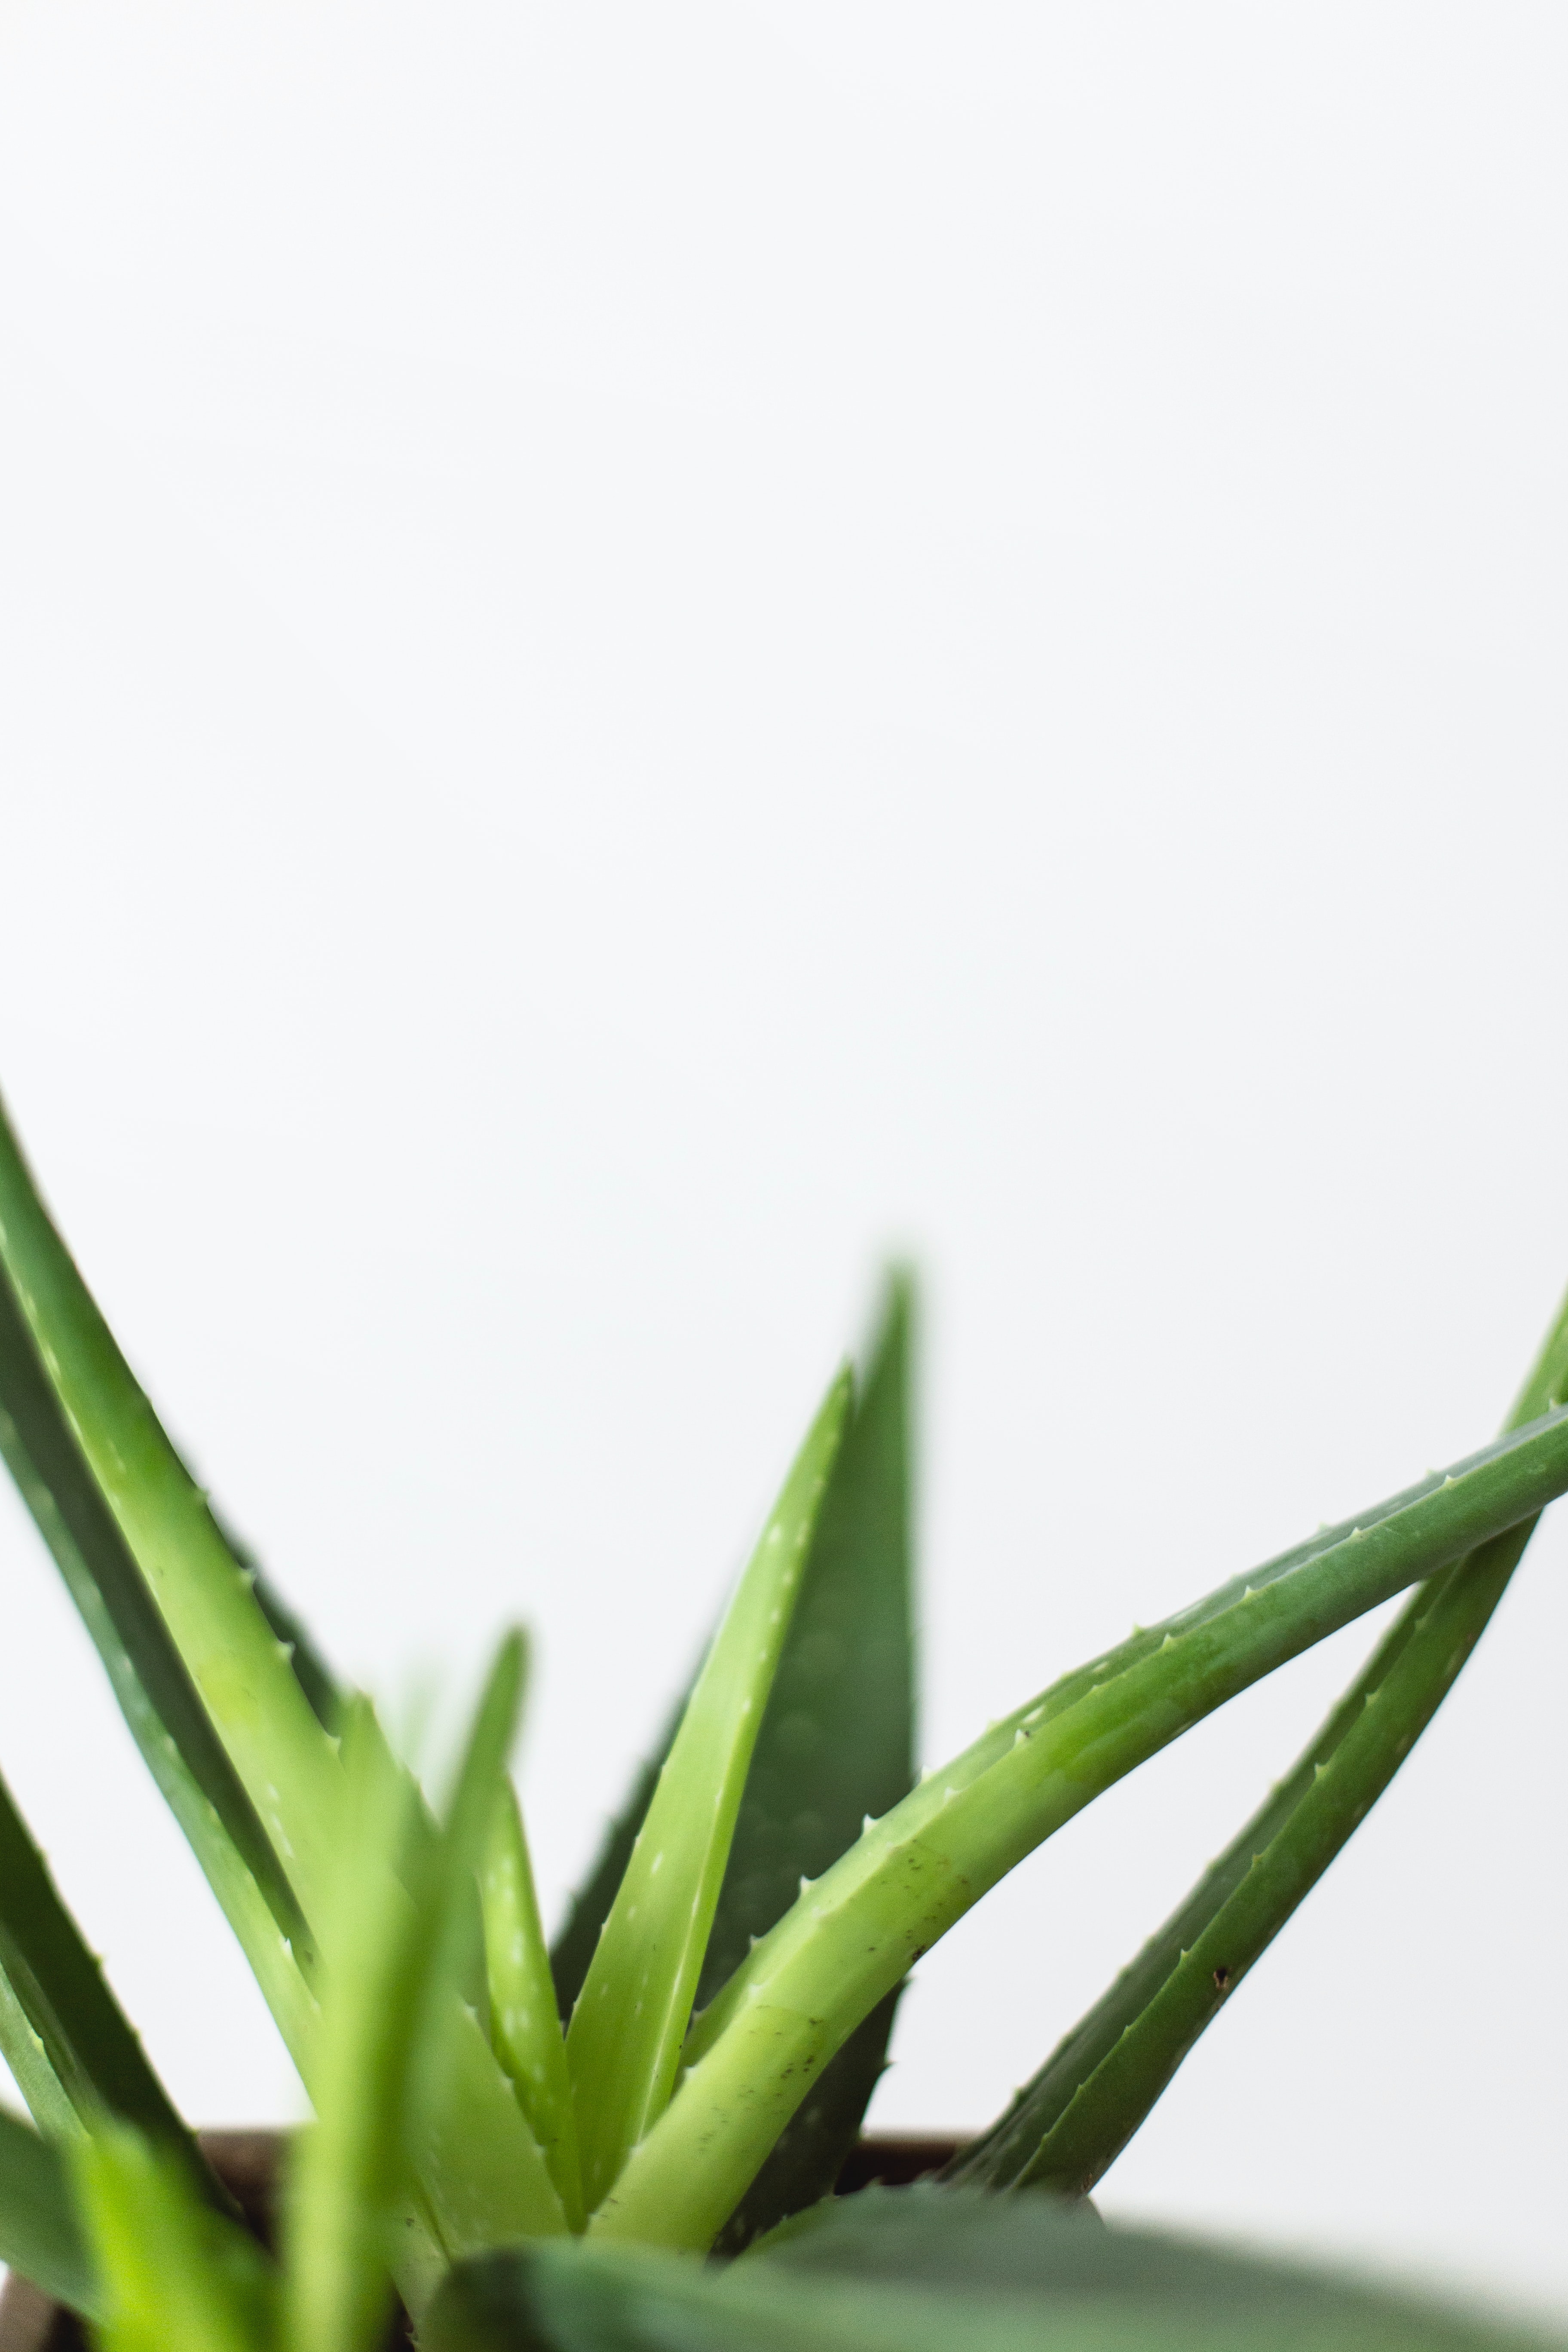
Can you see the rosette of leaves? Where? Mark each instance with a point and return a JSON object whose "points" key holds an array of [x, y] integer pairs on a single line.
{"points": [[632, 2139]]}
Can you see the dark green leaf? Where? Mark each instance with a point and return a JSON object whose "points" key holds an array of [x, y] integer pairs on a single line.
{"points": [[836, 1744], [918, 2270], [120, 1613], [40, 2235], [90, 2048], [172, 1565]]}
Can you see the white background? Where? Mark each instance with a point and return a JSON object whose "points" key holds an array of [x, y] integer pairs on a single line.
{"points": [[649, 651]]}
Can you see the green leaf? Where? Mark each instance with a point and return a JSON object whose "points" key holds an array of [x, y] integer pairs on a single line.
{"points": [[478, 2163], [525, 2024], [40, 2235], [624, 2042], [849, 1939], [159, 1701], [447, 2035], [171, 1549], [1073, 2119], [172, 2272], [917, 2270], [836, 1745], [74, 2026]]}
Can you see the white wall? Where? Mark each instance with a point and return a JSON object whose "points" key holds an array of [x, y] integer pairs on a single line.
{"points": [[645, 651]]}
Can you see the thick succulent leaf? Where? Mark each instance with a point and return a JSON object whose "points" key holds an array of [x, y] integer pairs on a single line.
{"points": [[809, 2154], [173, 1552], [323, 1692], [40, 2235], [525, 2026], [849, 1939], [624, 2042], [1072, 2120], [171, 2271], [161, 1703], [75, 2027], [1075, 2116], [837, 1745], [926, 2271]]}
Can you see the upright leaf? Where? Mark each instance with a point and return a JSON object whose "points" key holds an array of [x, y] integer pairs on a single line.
{"points": [[350, 2173], [419, 2150], [837, 1745], [624, 2042], [479, 2162], [525, 2024], [571, 1953], [850, 1938], [455, 1935], [1075, 2116]]}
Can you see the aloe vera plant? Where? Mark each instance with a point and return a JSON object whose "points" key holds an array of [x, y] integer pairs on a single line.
{"points": [[520, 2145]]}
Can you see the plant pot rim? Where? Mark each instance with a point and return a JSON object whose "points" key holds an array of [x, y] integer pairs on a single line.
{"points": [[247, 2161]]}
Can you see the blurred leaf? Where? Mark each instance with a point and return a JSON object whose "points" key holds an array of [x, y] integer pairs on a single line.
{"points": [[626, 2030], [918, 2270], [171, 2271], [40, 2235], [349, 2172], [836, 1745]]}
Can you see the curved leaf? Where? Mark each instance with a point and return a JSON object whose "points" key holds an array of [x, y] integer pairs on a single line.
{"points": [[1073, 2119], [850, 1938]]}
